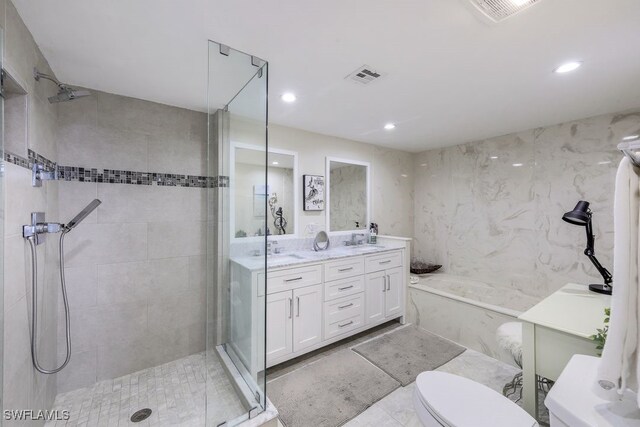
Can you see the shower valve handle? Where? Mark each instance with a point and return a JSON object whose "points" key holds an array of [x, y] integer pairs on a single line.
{"points": [[38, 227]]}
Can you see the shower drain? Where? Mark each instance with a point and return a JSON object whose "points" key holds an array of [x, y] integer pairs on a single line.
{"points": [[140, 415]]}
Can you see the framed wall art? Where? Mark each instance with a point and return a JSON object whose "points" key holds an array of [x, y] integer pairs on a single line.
{"points": [[313, 187]]}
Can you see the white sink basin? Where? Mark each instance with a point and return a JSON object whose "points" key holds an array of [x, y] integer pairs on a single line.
{"points": [[365, 247], [284, 256]]}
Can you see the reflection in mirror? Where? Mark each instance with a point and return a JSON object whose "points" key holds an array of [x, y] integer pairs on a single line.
{"points": [[348, 195], [248, 206]]}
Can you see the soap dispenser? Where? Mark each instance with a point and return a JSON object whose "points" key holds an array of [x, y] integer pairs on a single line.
{"points": [[373, 233]]}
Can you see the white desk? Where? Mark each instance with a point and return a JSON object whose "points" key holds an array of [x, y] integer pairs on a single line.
{"points": [[554, 330]]}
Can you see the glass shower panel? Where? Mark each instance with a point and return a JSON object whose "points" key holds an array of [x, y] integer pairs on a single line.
{"points": [[237, 99], [2, 213]]}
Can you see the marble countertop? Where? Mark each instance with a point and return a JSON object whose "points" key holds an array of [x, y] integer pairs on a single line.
{"points": [[300, 257]]}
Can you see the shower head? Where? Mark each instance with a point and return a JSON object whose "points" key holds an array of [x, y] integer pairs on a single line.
{"points": [[65, 93], [82, 215]]}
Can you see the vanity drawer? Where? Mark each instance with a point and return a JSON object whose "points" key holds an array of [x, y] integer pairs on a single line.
{"points": [[344, 268], [343, 315], [344, 287], [383, 261], [283, 280]]}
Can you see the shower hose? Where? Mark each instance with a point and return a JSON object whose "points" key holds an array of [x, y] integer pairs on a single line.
{"points": [[34, 305]]}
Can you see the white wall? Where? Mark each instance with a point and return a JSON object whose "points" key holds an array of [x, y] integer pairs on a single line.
{"points": [[391, 173]]}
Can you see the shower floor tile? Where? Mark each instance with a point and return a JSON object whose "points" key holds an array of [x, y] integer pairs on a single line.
{"points": [[174, 391]]}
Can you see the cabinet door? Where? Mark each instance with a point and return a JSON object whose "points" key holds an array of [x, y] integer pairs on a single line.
{"points": [[375, 290], [394, 293], [279, 324], [307, 319]]}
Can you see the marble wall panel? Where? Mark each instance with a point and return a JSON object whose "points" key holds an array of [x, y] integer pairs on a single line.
{"points": [[492, 209]]}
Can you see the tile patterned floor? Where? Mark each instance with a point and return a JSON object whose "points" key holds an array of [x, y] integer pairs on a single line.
{"points": [[174, 391], [396, 409]]}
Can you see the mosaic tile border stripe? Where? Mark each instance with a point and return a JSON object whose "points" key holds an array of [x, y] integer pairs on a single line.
{"points": [[112, 176]]}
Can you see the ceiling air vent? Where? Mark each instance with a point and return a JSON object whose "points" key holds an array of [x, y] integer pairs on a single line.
{"points": [[499, 10], [364, 75]]}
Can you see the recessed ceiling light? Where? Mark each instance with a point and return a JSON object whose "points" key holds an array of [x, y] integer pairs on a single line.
{"points": [[519, 2], [605, 162], [389, 126], [288, 97], [517, 165], [275, 163], [568, 67], [493, 157], [404, 175], [631, 138]]}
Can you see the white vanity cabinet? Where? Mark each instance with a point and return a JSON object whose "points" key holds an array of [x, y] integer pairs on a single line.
{"points": [[294, 315], [384, 295], [385, 287], [313, 304], [307, 320], [280, 321]]}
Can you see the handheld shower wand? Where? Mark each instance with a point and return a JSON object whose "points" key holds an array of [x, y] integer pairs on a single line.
{"points": [[33, 234]]}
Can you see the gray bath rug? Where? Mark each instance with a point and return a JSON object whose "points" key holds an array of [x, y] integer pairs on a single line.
{"points": [[330, 391], [407, 352]]}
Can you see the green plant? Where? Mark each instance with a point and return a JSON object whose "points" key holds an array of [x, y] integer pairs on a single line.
{"points": [[601, 337]]}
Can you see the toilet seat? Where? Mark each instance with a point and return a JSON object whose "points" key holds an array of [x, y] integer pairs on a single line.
{"points": [[454, 401]]}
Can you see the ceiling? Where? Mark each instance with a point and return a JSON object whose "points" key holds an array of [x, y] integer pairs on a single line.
{"points": [[450, 77]]}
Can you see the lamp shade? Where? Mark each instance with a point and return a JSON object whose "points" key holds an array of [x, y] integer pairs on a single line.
{"points": [[579, 215]]}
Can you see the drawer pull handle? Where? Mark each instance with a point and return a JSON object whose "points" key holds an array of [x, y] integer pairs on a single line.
{"points": [[290, 308], [345, 306], [342, 270], [385, 262], [346, 324], [294, 280], [345, 288], [298, 299]]}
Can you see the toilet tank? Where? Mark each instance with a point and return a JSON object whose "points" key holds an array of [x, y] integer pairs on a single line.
{"points": [[576, 399]]}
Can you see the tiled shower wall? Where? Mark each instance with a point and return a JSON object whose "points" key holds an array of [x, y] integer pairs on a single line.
{"points": [[135, 267], [492, 209], [31, 123]]}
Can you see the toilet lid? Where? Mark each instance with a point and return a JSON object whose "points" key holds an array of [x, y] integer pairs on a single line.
{"points": [[459, 402]]}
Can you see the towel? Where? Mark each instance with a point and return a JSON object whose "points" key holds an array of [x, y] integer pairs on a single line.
{"points": [[619, 365]]}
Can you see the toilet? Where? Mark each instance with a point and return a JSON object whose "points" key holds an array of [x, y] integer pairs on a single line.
{"points": [[443, 399], [576, 399]]}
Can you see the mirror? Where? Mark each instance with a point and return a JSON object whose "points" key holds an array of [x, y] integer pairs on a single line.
{"points": [[249, 194], [321, 242], [347, 195]]}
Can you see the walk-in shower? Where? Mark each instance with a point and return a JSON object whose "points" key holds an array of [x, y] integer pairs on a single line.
{"points": [[132, 305], [34, 233]]}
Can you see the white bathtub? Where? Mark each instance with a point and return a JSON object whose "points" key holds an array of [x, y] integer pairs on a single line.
{"points": [[464, 310]]}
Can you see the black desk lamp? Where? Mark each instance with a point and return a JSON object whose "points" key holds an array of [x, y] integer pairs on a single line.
{"points": [[581, 215]]}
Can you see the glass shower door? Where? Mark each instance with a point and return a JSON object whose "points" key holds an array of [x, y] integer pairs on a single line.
{"points": [[235, 282], [2, 221]]}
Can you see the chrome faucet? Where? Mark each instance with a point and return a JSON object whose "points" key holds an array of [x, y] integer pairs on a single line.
{"points": [[272, 247], [356, 239]]}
